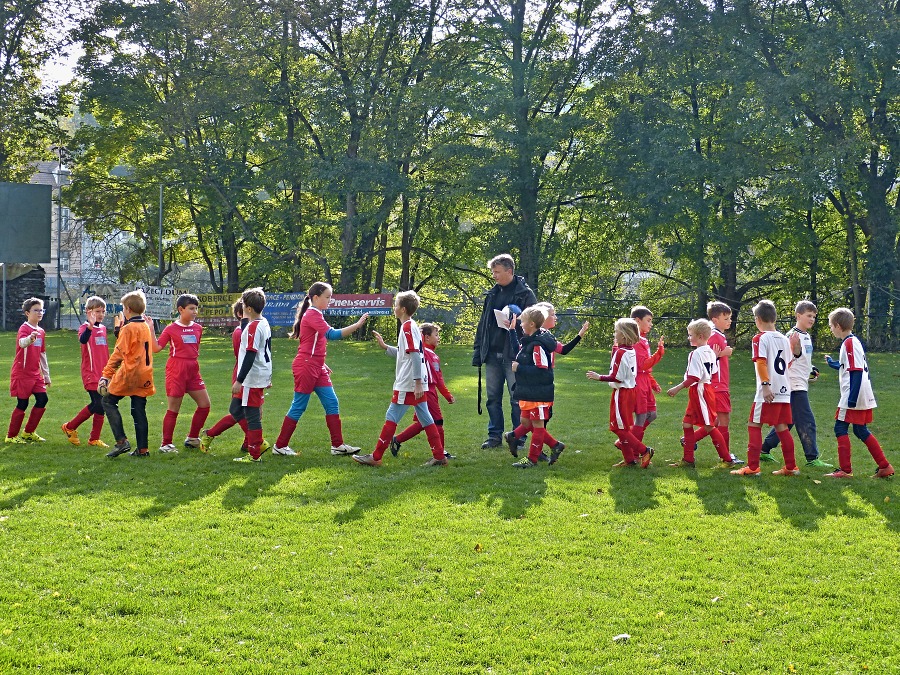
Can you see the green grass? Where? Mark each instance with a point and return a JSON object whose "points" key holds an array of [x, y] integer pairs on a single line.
{"points": [[195, 564]]}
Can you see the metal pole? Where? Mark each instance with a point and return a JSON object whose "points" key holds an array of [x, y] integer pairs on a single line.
{"points": [[3, 327], [159, 281], [59, 242]]}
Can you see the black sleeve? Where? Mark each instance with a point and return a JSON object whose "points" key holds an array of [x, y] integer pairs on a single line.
{"points": [[569, 346], [85, 335], [246, 365]]}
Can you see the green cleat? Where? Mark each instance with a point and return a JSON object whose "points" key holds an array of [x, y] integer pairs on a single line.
{"points": [[767, 457], [205, 441], [15, 440], [819, 463], [31, 436]]}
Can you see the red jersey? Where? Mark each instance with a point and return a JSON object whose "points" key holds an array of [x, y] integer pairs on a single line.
{"points": [[183, 341], [236, 345], [94, 353], [313, 338], [721, 379], [435, 376], [27, 362]]}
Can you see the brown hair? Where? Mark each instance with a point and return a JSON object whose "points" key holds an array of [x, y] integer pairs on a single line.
{"points": [[718, 308], [136, 302], [408, 300], [765, 311], [504, 260], [237, 309], [186, 299], [255, 299], [429, 328], [94, 302], [639, 312], [314, 291], [843, 318], [627, 332], [805, 306], [31, 302]]}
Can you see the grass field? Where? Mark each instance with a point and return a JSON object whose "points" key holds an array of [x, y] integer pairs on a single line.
{"points": [[194, 564]]}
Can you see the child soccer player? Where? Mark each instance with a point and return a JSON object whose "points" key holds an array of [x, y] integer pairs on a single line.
{"points": [[183, 372], [720, 315], [645, 403], [94, 355], [410, 385], [514, 437], [533, 367], [431, 338], [771, 405], [129, 372], [622, 378], [799, 373], [310, 372], [30, 374], [857, 399], [701, 408], [254, 375]]}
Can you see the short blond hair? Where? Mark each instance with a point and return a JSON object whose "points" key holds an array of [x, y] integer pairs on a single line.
{"points": [[843, 318], [534, 314], [136, 302], [626, 332], [95, 302], [700, 328]]}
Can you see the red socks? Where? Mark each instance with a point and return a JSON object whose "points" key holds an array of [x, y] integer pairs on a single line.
{"points": [[690, 438], [254, 440], [334, 429], [719, 444], [34, 419], [169, 421], [537, 442], [410, 431], [225, 424], [843, 443], [96, 426], [197, 422], [787, 449], [15, 422], [754, 447], [877, 453], [435, 441], [287, 430], [385, 438], [631, 448], [79, 419]]}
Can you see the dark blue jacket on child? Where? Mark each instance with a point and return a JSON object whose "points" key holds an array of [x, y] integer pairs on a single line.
{"points": [[534, 374]]}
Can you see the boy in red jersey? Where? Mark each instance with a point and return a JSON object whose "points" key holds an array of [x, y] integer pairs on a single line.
{"points": [[645, 401], [720, 315], [701, 408], [857, 398], [183, 372], [772, 403], [94, 355], [410, 386], [431, 338], [30, 374]]}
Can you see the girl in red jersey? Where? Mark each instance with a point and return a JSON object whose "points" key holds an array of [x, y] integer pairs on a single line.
{"points": [[94, 355], [30, 374], [622, 378], [310, 372], [183, 372]]}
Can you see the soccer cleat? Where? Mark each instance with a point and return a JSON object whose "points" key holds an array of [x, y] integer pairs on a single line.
{"points": [[735, 461], [511, 442], [395, 446], [344, 449], [15, 439], [646, 457], [556, 451], [746, 471], [683, 464], [265, 445], [839, 473], [886, 472], [624, 463], [543, 457], [72, 435], [436, 462], [490, 443], [32, 436], [97, 443], [681, 440], [368, 460], [447, 455], [767, 457], [819, 463], [286, 451], [246, 458], [168, 448], [192, 443], [119, 449], [205, 441], [784, 471], [524, 463], [143, 452]]}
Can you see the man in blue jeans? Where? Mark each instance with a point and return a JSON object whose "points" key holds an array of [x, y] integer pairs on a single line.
{"points": [[492, 348]]}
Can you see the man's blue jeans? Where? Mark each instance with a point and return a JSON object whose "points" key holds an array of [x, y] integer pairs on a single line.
{"points": [[499, 375], [806, 426]]}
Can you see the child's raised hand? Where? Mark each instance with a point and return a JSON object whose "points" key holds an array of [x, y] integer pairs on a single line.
{"points": [[379, 339], [362, 320], [591, 375], [584, 329], [662, 341], [795, 342]]}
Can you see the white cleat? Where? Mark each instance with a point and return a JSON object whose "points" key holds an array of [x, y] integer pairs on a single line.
{"points": [[168, 448], [344, 449], [286, 451]]}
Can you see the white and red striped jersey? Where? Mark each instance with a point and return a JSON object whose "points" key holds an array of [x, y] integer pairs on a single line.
{"points": [[410, 359], [623, 368], [257, 337], [773, 348], [853, 357]]}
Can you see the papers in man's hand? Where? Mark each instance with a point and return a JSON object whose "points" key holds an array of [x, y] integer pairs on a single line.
{"points": [[503, 317]]}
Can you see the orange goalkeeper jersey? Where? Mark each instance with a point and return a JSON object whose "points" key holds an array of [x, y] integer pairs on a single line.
{"points": [[130, 367]]}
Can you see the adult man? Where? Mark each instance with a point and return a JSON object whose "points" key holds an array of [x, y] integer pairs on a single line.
{"points": [[492, 348]]}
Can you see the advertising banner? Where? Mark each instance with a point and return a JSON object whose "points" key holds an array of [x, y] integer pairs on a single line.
{"points": [[380, 304]]}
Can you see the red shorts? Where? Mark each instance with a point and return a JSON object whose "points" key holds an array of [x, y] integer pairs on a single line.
{"points": [[621, 409], [772, 414], [723, 401], [251, 397], [701, 411], [645, 399], [23, 387], [308, 376], [182, 376], [853, 416], [534, 412], [407, 398]]}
